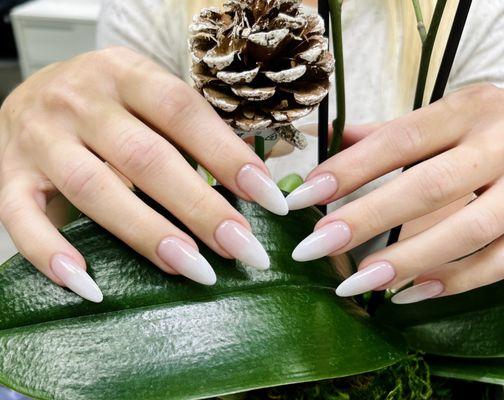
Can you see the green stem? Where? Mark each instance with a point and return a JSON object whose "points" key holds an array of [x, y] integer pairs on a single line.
{"points": [[259, 147], [379, 297], [420, 21], [427, 48], [337, 36]]}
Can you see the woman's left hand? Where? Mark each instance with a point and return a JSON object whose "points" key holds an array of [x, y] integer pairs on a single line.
{"points": [[461, 137]]}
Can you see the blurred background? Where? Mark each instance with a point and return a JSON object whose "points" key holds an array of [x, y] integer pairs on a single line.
{"points": [[33, 34]]}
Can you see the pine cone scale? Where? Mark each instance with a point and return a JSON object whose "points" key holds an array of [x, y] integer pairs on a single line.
{"points": [[262, 64], [234, 78]]}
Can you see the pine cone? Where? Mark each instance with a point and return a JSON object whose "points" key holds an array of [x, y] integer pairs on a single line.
{"points": [[262, 64]]}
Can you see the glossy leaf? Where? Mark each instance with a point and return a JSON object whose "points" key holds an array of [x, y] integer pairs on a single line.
{"points": [[162, 337], [467, 325], [488, 370]]}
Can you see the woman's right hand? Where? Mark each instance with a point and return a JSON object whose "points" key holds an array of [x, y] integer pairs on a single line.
{"points": [[113, 105]]}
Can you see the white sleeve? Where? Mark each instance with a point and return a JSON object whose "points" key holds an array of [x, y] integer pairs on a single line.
{"points": [[481, 52], [148, 27]]}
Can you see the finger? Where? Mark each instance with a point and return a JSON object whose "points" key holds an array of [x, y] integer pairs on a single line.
{"points": [[351, 135], [41, 243], [188, 120], [282, 148], [157, 168], [356, 133], [427, 221], [94, 189], [401, 142], [423, 189], [463, 233], [481, 269]]}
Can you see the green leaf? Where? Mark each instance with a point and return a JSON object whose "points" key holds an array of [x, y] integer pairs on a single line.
{"points": [[488, 370], [160, 337], [290, 183], [466, 325]]}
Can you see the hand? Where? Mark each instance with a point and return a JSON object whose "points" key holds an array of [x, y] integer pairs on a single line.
{"points": [[464, 135], [59, 127]]}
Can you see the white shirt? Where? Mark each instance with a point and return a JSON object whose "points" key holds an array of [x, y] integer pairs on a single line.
{"points": [[148, 27]]}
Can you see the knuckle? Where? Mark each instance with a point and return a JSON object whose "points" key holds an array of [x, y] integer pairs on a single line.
{"points": [[10, 207], [217, 148], [113, 54], [437, 181], [474, 97], [484, 92], [417, 263], [81, 180], [138, 152], [131, 231], [405, 140], [196, 205], [484, 228], [28, 131], [121, 62], [175, 100], [371, 218], [60, 95]]}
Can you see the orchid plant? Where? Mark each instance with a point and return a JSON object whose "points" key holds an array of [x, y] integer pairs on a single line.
{"points": [[155, 338]]}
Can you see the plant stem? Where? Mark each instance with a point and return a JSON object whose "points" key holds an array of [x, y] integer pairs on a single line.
{"points": [[451, 50], [443, 74], [323, 113], [427, 48], [337, 36], [420, 21], [259, 147]]}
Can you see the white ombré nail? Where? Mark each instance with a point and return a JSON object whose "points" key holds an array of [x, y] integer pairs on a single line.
{"points": [[75, 278], [242, 245], [261, 188], [186, 260]]}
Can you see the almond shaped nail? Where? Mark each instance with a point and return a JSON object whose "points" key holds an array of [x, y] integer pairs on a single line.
{"points": [[322, 242], [186, 260], [76, 278], [423, 291], [240, 243], [369, 278], [312, 192], [262, 189]]}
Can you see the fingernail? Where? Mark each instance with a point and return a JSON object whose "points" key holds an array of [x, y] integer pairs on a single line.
{"points": [[262, 189], [186, 260], [423, 291], [312, 192], [75, 278], [369, 278], [323, 242], [242, 245]]}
